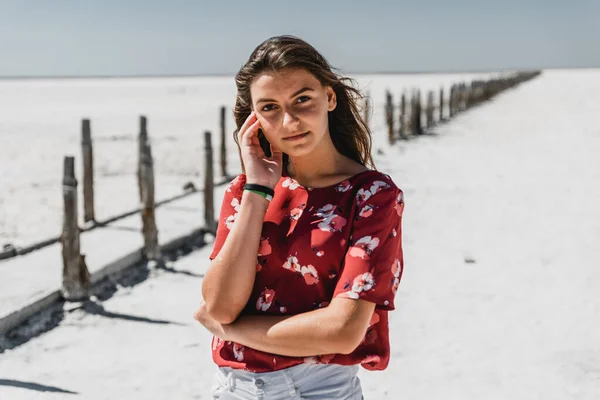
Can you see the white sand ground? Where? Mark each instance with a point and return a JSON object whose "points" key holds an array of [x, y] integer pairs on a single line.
{"points": [[511, 185]]}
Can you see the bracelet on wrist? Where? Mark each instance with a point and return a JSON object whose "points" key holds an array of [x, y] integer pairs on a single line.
{"points": [[264, 191]]}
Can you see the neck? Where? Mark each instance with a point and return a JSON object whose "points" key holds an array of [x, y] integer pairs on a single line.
{"points": [[324, 161]]}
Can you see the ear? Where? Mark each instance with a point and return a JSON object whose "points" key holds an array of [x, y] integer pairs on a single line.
{"points": [[331, 98]]}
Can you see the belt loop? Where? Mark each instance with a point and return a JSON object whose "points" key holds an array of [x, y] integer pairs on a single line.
{"points": [[231, 381], [291, 386]]}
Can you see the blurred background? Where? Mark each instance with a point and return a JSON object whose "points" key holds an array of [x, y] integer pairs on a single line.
{"points": [[499, 167]]}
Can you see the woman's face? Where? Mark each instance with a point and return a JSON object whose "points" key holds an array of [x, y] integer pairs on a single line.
{"points": [[292, 107]]}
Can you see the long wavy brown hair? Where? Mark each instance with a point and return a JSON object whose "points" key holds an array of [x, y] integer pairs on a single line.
{"points": [[349, 132]]}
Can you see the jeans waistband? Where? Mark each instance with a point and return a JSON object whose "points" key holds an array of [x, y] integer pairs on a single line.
{"points": [[291, 381]]}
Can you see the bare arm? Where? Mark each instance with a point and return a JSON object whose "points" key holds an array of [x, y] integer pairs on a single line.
{"points": [[336, 329], [228, 283], [229, 280]]}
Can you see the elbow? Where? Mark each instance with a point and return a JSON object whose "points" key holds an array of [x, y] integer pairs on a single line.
{"points": [[216, 307], [221, 310], [349, 338], [222, 304], [347, 346], [223, 315]]}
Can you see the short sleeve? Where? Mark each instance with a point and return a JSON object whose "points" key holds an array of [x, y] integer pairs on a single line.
{"points": [[230, 208], [374, 261]]}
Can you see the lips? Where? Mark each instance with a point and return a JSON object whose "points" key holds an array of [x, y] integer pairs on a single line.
{"points": [[296, 137]]}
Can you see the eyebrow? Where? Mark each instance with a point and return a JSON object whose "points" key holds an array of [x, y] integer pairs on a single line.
{"points": [[304, 89]]}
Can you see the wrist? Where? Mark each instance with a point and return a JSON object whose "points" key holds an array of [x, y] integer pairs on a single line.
{"points": [[252, 181], [227, 332], [261, 190], [254, 199]]}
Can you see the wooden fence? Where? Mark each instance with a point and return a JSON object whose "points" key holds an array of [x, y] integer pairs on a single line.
{"points": [[76, 278], [76, 283], [417, 119]]}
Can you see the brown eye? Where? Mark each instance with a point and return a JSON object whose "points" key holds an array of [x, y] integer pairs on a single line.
{"points": [[303, 99], [268, 107]]}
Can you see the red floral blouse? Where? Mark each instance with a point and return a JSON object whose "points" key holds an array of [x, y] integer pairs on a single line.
{"points": [[343, 240]]}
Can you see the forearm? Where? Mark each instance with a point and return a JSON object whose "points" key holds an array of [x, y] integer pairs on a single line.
{"points": [[228, 282], [312, 333]]}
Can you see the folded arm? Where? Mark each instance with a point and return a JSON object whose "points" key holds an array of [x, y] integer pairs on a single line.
{"points": [[336, 329]]}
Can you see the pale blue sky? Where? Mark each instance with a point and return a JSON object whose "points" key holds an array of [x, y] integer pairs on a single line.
{"points": [[148, 37]]}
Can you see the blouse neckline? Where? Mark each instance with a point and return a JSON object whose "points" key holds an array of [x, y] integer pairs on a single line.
{"points": [[312, 189]]}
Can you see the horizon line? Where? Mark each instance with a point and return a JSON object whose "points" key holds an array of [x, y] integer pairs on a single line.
{"points": [[216, 74]]}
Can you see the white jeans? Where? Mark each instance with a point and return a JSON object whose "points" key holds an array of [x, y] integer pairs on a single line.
{"points": [[304, 381]]}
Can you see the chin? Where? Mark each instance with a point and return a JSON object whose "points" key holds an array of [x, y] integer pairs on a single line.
{"points": [[296, 152], [301, 148]]}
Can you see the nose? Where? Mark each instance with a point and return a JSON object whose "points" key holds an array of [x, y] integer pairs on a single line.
{"points": [[290, 121]]}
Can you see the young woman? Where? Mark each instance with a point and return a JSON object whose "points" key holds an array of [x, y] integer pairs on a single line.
{"points": [[308, 253]]}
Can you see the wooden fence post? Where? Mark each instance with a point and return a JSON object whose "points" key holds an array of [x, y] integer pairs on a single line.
{"points": [[469, 96], [412, 113], [75, 275], [451, 102], [459, 98], [223, 145], [429, 111], [209, 185], [419, 112], [415, 114], [88, 171], [441, 104], [454, 99], [481, 89], [476, 92], [142, 142], [389, 116], [489, 90], [149, 230], [402, 128]]}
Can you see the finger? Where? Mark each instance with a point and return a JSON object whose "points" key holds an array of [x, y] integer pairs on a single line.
{"points": [[276, 155], [275, 152], [249, 121], [250, 133]]}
